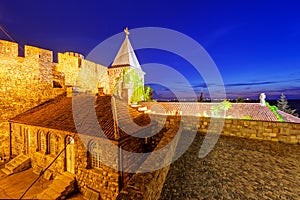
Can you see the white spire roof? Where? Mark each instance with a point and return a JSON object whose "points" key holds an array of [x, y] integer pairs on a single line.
{"points": [[126, 55]]}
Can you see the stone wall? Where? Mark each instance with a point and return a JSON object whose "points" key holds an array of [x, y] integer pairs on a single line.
{"points": [[149, 185], [102, 180], [286, 132], [81, 73], [129, 162], [25, 82], [28, 81]]}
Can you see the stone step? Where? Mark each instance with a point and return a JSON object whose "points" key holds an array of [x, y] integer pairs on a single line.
{"points": [[10, 164], [147, 111], [6, 171], [142, 108], [48, 195], [19, 163], [53, 193], [69, 175], [11, 167], [65, 180], [22, 157], [59, 185], [20, 160], [135, 105]]}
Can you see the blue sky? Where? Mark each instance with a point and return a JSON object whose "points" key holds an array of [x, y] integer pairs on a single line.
{"points": [[255, 44]]}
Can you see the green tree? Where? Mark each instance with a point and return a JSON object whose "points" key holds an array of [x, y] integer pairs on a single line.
{"points": [[239, 99], [201, 98], [148, 95], [223, 106], [283, 105]]}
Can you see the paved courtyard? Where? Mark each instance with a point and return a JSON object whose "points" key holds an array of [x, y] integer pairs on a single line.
{"points": [[12, 187], [237, 168]]}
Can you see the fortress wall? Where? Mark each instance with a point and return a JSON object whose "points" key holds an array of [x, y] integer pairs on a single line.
{"points": [[149, 185], [25, 82], [81, 73], [92, 76], [28, 81], [286, 132], [69, 63], [8, 49]]}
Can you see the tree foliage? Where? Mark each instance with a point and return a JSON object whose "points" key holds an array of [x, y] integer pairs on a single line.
{"points": [[283, 105], [201, 98], [239, 99], [274, 110], [220, 108], [148, 95]]}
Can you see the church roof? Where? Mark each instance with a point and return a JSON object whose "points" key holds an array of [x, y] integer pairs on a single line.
{"points": [[58, 114], [126, 56]]}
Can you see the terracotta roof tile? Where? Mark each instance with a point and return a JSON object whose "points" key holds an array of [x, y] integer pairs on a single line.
{"points": [[238, 110], [288, 117], [58, 114]]}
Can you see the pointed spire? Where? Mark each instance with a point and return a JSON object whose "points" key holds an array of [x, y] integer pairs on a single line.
{"points": [[126, 55], [126, 31]]}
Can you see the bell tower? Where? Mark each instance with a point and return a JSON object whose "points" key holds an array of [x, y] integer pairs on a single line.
{"points": [[126, 74]]}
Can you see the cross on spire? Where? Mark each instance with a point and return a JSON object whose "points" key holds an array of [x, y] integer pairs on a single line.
{"points": [[126, 31]]}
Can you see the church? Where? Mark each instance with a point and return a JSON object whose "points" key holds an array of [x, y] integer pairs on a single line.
{"points": [[46, 138]]}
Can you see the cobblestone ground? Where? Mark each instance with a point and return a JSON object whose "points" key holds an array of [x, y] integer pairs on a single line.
{"points": [[236, 168]]}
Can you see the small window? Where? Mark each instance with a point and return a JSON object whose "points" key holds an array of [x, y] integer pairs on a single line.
{"points": [[95, 155], [53, 144], [42, 142]]}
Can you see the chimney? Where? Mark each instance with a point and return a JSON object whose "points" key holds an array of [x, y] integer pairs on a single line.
{"points": [[100, 91], [262, 98], [125, 95], [69, 91]]}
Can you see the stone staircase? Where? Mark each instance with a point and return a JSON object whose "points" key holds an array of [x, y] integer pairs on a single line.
{"points": [[140, 108], [18, 164], [62, 185]]}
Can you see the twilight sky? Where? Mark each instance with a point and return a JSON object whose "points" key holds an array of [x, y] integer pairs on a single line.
{"points": [[255, 44]]}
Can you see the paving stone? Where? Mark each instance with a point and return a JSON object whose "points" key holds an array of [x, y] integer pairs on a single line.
{"points": [[236, 168]]}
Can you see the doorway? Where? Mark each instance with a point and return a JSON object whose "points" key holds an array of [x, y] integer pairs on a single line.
{"points": [[70, 155]]}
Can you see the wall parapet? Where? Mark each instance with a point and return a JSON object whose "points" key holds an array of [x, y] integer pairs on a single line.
{"points": [[149, 185], [9, 49], [286, 132]]}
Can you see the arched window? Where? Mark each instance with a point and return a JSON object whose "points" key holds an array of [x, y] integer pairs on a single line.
{"points": [[95, 155], [42, 142], [52, 144]]}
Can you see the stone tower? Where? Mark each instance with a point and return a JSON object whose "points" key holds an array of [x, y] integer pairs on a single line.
{"points": [[126, 74]]}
